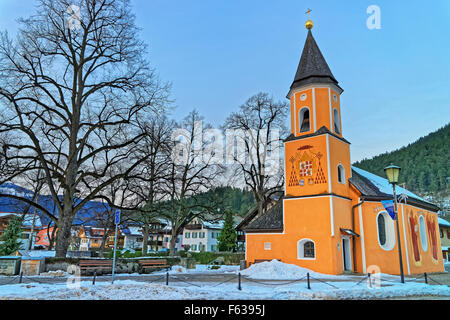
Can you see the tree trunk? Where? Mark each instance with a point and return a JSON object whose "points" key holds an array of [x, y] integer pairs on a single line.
{"points": [[145, 240], [101, 252], [172, 242], [64, 229]]}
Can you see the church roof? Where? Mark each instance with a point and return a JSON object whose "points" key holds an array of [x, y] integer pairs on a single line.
{"points": [[444, 223], [271, 220], [373, 187], [312, 67]]}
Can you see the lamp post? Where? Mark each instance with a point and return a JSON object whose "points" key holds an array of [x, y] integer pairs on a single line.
{"points": [[392, 172]]}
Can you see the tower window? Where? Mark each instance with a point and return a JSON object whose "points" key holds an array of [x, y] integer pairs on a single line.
{"points": [[337, 127], [341, 174], [304, 120]]}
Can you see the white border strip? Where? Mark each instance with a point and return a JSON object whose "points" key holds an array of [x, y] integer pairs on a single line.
{"points": [[363, 248], [404, 235], [314, 107]]}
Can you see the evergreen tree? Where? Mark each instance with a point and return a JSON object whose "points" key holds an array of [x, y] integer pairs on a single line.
{"points": [[228, 237], [10, 239]]}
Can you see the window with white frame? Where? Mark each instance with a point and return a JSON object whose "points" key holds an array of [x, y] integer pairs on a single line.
{"points": [[187, 235], [337, 122], [341, 174], [304, 120], [194, 235], [385, 231], [306, 249], [423, 233]]}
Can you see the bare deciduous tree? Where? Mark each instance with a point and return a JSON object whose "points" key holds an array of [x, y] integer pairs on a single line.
{"points": [[257, 127], [193, 170], [75, 96]]}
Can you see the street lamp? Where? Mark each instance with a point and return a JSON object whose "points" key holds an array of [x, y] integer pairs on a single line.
{"points": [[392, 172]]}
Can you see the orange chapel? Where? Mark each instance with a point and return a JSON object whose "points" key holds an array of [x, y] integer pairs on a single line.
{"points": [[330, 218]]}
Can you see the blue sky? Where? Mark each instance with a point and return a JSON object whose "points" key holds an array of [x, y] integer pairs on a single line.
{"points": [[218, 53]]}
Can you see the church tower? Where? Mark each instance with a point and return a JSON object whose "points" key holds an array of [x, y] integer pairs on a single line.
{"points": [[316, 153], [330, 219]]}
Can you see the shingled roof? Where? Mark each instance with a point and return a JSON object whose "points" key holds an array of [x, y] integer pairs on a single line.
{"points": [[271, 220], [312, 67], [373, 187]]}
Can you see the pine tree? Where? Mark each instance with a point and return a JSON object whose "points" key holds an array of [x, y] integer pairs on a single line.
{"points": [[228, 237], [11, 238]]}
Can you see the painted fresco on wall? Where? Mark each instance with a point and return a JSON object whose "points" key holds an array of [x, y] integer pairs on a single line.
{"points": [[431, 227], [306, 168], [413, 222], [431, 234]]}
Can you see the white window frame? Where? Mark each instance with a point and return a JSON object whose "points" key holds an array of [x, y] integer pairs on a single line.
{"points": [[300, 119], [301, 248], [423, 233], [389, 231], [336, 121], [342, 174]]}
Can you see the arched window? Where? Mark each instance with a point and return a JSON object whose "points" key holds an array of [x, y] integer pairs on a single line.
{"points": [[304, 120], [381, 230], [306, 249], [423, 233], [337, 122], [341, 174], [386, 231]]}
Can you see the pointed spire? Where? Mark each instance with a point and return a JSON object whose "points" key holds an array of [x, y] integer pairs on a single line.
{"points": [[312, 67]]}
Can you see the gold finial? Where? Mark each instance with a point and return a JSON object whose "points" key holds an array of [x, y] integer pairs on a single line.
{"points": [[309, 24]]}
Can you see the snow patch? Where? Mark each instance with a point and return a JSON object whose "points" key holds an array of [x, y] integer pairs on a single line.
{"points": [[277, 270]]}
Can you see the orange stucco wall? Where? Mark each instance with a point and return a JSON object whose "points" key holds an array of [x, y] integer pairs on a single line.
{"points": [[339, 155], [388, 260], [321, 109], [306, 218], [314, 150]]}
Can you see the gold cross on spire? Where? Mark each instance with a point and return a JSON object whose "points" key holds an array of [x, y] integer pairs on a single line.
{"points": [[308, 12], [309, 24]]}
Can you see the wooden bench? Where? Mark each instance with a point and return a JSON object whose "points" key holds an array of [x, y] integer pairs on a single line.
{"points": [[95, 265], [154, 263]]}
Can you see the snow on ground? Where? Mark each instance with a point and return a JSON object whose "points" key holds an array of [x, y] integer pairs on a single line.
{"points": [[201, 268], [341, 287], [132, 290], [277, 270]]}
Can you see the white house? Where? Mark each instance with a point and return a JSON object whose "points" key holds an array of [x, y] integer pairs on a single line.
{"points": [[201, 235]]}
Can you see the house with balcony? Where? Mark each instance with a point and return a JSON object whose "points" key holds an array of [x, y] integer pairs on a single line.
{"points": [[201, 236]]}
